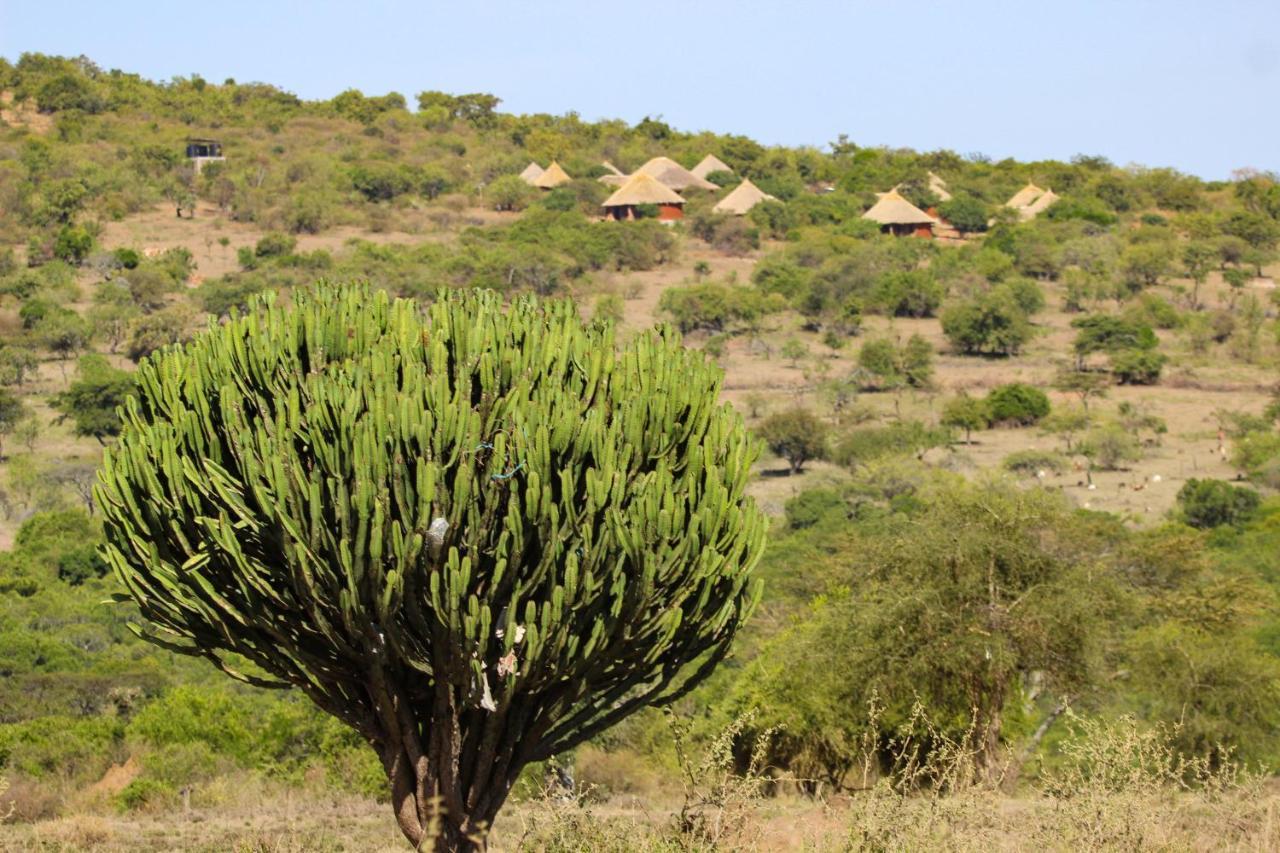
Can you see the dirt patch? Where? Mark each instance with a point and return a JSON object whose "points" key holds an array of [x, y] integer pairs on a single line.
{"points": [[23, 115]]}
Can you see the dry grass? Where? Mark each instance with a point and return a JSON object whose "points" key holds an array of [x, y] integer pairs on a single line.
{"points": [[1116, 787]]}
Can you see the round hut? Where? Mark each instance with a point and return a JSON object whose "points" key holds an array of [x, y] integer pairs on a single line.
{"points": [[639, 190], [899, 217]]}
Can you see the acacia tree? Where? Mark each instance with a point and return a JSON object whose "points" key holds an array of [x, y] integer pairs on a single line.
{"points": [[478, 536]]}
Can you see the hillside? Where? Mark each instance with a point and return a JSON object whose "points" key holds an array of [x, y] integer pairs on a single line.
{"points": [[1083, 392]]}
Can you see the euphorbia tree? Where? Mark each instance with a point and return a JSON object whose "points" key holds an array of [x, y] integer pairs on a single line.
{"points": [[476, 532]]}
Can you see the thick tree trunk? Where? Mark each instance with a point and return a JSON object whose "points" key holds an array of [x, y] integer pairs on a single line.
{"points": [[426, 823]]}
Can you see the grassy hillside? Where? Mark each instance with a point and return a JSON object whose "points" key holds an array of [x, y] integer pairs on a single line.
{"points": [[1074, 414]]}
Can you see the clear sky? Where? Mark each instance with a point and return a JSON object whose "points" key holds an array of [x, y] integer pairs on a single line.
{"points": [[1184, 83]]}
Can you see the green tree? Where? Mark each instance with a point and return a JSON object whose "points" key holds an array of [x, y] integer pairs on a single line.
{"points": [[914, 293], [16, 364], [951, 608], [1213, 503], [1017, 404], [509, 192], [967, 213], [1083, 384], [992, 323], [490, 535], [1144, 264], [966, 413], [1110, 447], [1198, 258], [797, 435], [93, 398], [12, 411]]}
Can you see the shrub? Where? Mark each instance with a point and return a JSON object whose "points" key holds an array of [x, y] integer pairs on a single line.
{"points": [[913, 293], [885, 365], [1110, 447], [1034, 461], [713, 307], [1137, 367], [1213, 503], [870, 443], [509, 192], [1026, 293], [813, 505], [1017, 404], [967, 213], [72, 244], [275, 246], [796, 435], [966, 413], [1110, 333], [992, 323]]}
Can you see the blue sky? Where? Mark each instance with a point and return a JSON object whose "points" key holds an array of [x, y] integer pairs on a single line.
{"points": [[1182, 83]]}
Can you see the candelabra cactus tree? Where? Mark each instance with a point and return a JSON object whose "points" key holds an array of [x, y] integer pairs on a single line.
{"points": [[476, 532]]}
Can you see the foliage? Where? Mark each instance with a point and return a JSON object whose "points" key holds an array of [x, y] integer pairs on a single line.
{"points": [[1213, 503], [868, 444], [1137, 366], [966, 413], [1017, 404], [992, 324], [1110, 447], [714, 307], [797, 435], [94, 397], [442, 542], [883, 364]]}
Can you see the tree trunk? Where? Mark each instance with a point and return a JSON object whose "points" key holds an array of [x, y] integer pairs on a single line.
{"points": [[425, 821]]}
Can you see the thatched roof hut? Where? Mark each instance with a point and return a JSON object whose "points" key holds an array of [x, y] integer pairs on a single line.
{"points": [[531, 173], [1031, 201], [745, 196], [939, 187], [710, 163], [1040, 205], [674, 175], [1024, 197], [643, 189], [553, 177], [896, 215]]}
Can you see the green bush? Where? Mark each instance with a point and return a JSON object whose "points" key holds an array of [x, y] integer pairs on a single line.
{"points": [[1137, 367], [966, 413], [992, 323], [913, 293], [1034, 461], [1213, 503], [144, 794], [813, 505], [275, 245], [967, 213], [1017, 404], [796, 435], [871, 443]]}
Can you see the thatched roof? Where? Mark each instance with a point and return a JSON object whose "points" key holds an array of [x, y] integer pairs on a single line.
{"points": [[1040, 205], [939, 187], [710, 163], [893, 209], [1025, 196], [531, 173], [641, 188], [614, 180], [553, 177], [745, 196], [674, 175], [612, 168]]}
